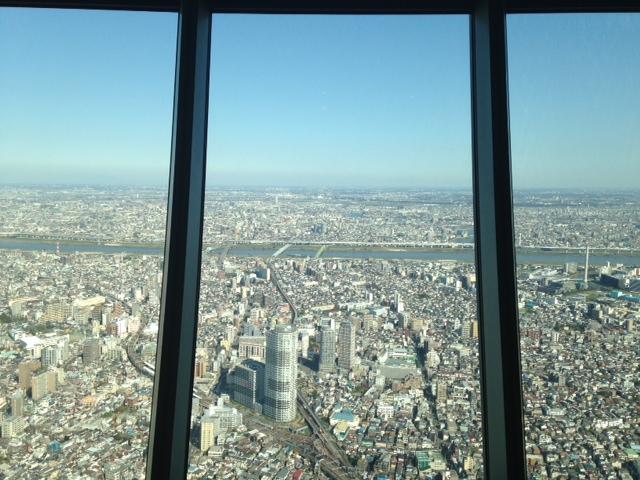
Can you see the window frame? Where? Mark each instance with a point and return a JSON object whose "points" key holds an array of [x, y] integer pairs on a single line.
{"points": [[501, 391]]}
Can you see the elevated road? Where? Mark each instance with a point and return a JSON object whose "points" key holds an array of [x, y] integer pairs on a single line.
{"points": [[275, 279]]}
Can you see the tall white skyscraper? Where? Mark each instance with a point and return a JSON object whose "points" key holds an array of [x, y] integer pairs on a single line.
{"points": [[281, 373], [346, 345], [328, 337]]}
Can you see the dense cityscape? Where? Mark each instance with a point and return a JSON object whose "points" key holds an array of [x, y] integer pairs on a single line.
{"points": [[337, 333]]}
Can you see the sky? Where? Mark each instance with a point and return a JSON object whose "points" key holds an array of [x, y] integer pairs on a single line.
{"points": [[86, 97]]}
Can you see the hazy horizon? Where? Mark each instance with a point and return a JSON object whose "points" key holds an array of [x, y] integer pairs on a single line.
{"points": [[289, 188]]}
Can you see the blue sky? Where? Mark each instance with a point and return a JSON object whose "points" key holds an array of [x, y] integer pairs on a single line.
{"points": [[86, 97], [575, 100]]}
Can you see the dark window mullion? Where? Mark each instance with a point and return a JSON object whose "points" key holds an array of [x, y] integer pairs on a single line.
{"points": [[497, 301], [572, 6], [132, 5], [350, 7], [171, 406]]}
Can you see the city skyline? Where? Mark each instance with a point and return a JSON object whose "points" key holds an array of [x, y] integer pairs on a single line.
{"points": [[384, 282]]}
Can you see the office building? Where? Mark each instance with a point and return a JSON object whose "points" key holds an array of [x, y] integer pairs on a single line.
{"points": [[13, 426], [51, 356], [281, 373], [252, 348], [328, 322], [82, 310], [25, 372], [56, 312], [209, 430], [201, 367], [39, 386], [247, 383], [229, 418], [469, 329], [17, 403]]}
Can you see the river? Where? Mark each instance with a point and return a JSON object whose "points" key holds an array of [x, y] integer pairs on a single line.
{"points": [[459, 255]]}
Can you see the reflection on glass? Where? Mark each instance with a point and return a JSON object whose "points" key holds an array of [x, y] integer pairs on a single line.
{"points": [[337, 333], [574, 123], [84, 146]]}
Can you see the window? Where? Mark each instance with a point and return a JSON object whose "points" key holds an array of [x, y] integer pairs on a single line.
{"points": [[505, 420], [84, 148], [573, 121], [338, 285]]}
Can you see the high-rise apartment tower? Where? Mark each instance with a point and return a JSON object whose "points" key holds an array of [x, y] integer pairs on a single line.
{"points": [[346, 345], [281, 371], [328, 339]]}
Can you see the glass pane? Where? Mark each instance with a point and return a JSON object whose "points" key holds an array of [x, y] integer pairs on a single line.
{"points": [[575, 117], [337, 331], [85, 132]]}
